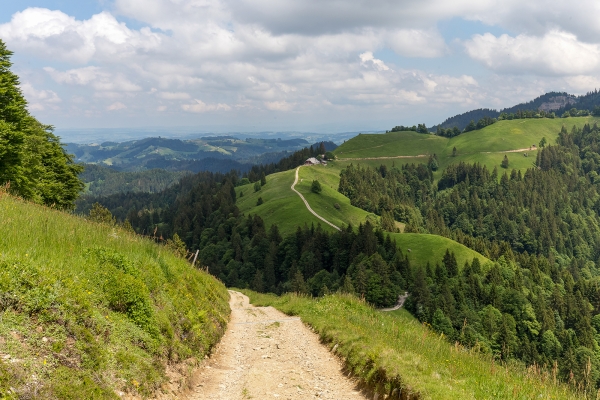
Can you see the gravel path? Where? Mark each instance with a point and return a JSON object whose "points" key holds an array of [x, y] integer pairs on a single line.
{"points": [[307, 205], [266, 354]]}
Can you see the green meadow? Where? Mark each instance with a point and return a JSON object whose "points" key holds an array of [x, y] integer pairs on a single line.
{"points": [[431, 248], [486, 146]]}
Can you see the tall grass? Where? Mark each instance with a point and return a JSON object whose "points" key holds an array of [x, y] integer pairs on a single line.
{"points": [[87, 310], [393, 354]]}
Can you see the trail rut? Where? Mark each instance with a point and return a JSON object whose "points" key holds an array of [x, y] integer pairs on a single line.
{"points": [[266, 354]]}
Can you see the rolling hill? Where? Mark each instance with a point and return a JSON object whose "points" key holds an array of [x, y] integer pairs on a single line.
{"points": [[487, 146], [215, 154], [281, 206]]}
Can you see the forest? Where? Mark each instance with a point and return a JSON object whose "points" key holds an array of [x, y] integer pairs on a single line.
{"points": [[540, 301]]}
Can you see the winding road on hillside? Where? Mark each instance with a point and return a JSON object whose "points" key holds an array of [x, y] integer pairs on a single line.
{"points": [[306, 202], [266, 354]]}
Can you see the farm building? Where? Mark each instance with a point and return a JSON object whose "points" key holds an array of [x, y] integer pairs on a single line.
{"points": [[312, 161]]}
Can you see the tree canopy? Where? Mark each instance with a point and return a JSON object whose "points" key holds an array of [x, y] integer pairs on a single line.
{"points": [[33, 163]]}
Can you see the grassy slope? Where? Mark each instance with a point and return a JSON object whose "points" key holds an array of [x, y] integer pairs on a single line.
{"points": [[471, 146], [283, 207], [401, 353], [89, 309], [431, 248]]}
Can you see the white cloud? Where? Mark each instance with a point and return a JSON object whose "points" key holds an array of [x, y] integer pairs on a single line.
{"points": [[367, 59], [557, 53], [116, 106], [279, 105], [95, 77], [252, 58], [174, 95], [39, 100], [201, 107], [56, 35], [417, 43]]}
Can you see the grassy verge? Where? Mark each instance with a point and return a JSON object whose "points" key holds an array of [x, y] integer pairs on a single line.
{"points": [[87, 310], [393, 354]]}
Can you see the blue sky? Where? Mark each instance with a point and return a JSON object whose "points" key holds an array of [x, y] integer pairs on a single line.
{"points": [[315, 65]]}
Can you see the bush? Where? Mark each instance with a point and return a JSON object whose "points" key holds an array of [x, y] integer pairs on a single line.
{"points": [[316, 187], [337, 206], [257, 186], [259, 201]]}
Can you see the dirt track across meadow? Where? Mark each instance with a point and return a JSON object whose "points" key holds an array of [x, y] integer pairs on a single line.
{"points": [[266, 354]]}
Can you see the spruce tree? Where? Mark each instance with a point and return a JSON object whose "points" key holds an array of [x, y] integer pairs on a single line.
{"points": [[33, 163]]}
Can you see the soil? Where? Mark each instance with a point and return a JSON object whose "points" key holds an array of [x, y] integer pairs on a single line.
{"points": [[266, 354]]}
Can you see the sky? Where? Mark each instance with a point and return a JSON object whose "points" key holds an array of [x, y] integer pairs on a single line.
{"points": [[289, 65]]}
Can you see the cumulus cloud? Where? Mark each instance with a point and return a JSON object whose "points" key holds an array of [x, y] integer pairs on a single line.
{"points": [[417, 43], [367, 58], [54, 34], [557, 53], [309, 57], [174, 95], [116, 106], [201, 107], [95, 77], [39, 99], [279, 105]]}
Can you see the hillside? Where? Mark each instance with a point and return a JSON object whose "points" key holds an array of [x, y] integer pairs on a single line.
{"points": [[215, 154], [282, 207], [486, 146], [557, 102], [90, 310]]}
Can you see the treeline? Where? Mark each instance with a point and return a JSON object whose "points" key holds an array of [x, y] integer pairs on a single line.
{"points": [[421, 128], [471, 126], [104, 181], [33, 163]]}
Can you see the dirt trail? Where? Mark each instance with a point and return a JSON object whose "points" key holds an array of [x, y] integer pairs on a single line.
{"points": [[307, 205], [401, 299], [266, 354]]}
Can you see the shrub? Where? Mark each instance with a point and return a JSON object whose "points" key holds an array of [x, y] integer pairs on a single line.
{"points": [[259, 201], [316, 187]]}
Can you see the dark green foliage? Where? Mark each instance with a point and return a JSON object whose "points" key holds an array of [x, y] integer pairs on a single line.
{"points": [[315, 187], [101, 214], [32, 160], [421, 128], [395, 190], [104, 181], [329, 156], [259, 201], [504, 163]]}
